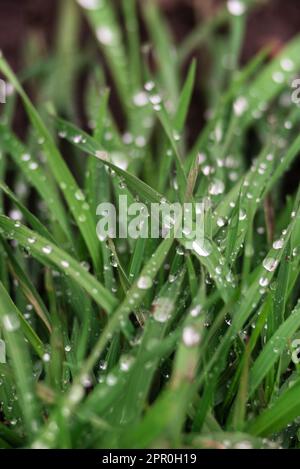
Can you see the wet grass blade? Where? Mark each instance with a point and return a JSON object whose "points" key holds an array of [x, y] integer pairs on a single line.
{"points": [[20, 359], [73, 195], [283, 411], [52, 255]]}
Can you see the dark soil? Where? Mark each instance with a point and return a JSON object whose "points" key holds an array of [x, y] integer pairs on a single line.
{"points": [[273, 24]]}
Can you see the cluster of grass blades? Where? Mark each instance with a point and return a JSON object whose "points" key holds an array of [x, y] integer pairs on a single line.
{"points": [[144, 343]]}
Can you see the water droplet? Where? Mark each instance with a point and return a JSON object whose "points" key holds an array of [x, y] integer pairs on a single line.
{"points": [[218, 133], [195, 311], [180, 250], [15, 214], [270, 264], [242, 215], [86, 381], [202, 248], [176, 136], [102, 365], [105, 35], [278, 77], [140, 141], [10, 322], [144, 282], [240, 106], [111, 379], [47, 249], [243, 445], [76, 393], [33, 166], [65, 264], [233, 176], [90, 4], [127, 138], [217, 187], [288, 125], [140, 99], [201, 158], [207, 170], [162, 309], [102, 155], [39, 445], [149, 86], [278, 244], [260, 230], [120, 159], [82, 218], [229, 277], [10, 89], [190, 336], [25, 157], [263, 281], [79, 195], [287, 64], [172, 278], [236, 7], [126, 362], [46, 357], [77, 138], [155, 99], [220, 222]]}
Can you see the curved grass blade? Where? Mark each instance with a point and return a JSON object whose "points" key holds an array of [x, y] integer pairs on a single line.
{"points": [[28, 332], [31, 219], [283, 411], [89, 145], [273, 350], [185, 98], [52, 255], [28, 288], [36, 175], [20, 359], [109, 35], [161, 38]]}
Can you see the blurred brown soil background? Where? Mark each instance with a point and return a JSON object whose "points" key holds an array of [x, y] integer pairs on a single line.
{"points": [[273, 24], [276, 22]]}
